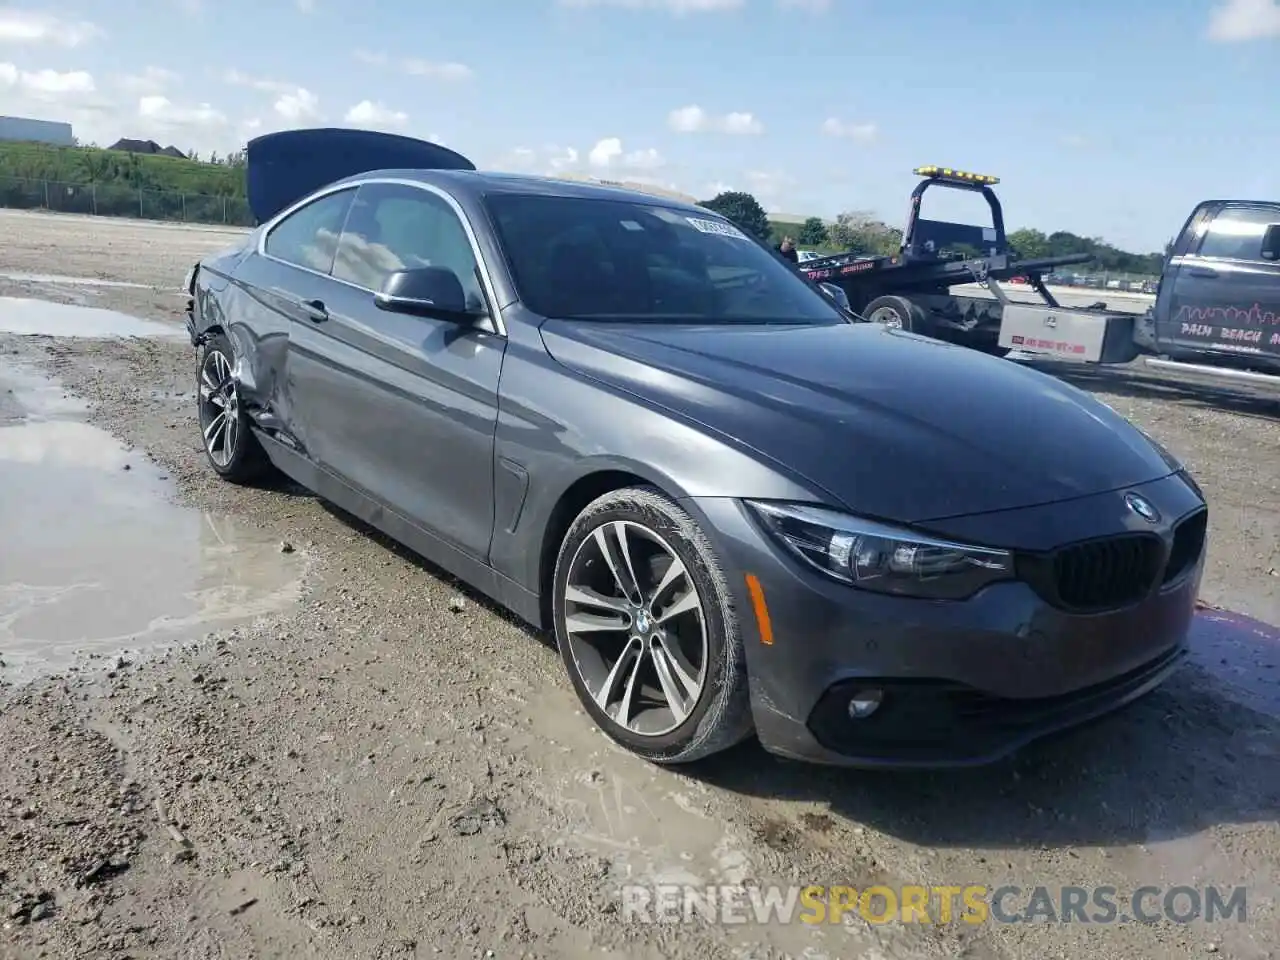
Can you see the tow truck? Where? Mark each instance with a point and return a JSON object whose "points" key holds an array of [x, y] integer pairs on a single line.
{"points": [[1216, 316], [912, 289]]}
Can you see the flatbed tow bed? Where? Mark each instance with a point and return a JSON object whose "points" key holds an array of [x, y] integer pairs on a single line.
{"points": [[912, 288]]}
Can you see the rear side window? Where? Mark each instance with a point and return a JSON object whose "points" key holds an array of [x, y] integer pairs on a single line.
{"points": [[1236, 233], [308, 237]]}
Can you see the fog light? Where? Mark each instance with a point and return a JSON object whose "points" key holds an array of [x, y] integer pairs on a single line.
{"points": [[864, 703]]}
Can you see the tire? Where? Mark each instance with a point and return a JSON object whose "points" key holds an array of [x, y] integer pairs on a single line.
{"points": [[231, 449], [897, 313], [700, 643]]}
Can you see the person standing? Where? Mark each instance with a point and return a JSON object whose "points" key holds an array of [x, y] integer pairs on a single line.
{"points": [[787, 250]]}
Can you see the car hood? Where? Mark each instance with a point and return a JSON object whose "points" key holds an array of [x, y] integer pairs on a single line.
{"points": [[889, 424]]}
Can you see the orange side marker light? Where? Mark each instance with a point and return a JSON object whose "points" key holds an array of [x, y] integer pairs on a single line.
{"points": [[762, 610]]}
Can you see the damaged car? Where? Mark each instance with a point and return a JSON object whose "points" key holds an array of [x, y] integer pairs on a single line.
{"points": [[739, 510]]}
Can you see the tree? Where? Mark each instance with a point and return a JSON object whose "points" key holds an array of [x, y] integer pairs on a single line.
{"points": [[1029, 244], [813, 232], [743, 209], [857, 231]]}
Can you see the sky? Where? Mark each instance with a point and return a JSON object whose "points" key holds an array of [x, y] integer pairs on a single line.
{"points": [[1107, 118]]}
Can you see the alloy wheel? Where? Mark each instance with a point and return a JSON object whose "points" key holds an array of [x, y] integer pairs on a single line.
{"points": [[636, 628], [219, 408]]}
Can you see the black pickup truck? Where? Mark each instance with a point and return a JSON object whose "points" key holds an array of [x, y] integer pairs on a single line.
{"points": [[1218, 301]]}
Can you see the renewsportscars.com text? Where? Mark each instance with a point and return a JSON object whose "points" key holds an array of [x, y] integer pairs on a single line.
{"points": [[971, 904]]}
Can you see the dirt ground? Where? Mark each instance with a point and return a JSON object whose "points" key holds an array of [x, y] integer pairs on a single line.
{"points": [[386, 767]]}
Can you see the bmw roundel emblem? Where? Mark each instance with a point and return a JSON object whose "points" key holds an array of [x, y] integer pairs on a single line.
{"points": [[1142, 507]]}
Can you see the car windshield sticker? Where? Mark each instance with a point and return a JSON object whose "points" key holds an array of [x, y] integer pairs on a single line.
{"points": [[717, 227], [631, 225]]}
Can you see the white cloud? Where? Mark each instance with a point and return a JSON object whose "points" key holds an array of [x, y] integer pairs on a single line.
{"points": [[693, 119], [1235, 21], [367, 113], [29, 27], [808, 6], [298, 105], [861, 132], [604, 153], [647, 159], [291, 102], [151, 80], [609, 154], [163, 113], [679, 8], [449, 72], [306, 6], [238, 79], [442, 70], [563, 158], [46, 85]]}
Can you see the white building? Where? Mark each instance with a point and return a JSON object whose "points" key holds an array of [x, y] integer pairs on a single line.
{"points": [[24, 129]]}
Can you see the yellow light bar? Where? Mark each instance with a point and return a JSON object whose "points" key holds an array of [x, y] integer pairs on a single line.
{"points": [[946, 173]]}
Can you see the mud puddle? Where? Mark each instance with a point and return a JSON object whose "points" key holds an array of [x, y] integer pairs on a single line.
{"points": [[1243, 654], [96, 558], [42, 318], [673, 855]]}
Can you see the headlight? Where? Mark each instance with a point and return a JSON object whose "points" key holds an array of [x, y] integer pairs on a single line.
{"points": [[877, 557]]}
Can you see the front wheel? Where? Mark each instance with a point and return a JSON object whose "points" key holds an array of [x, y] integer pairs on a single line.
{"points": [[233, 451], [647, 629]]}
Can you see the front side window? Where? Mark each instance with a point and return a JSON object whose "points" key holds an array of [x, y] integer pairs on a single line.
{"points": [[308, 237], [1236, 233], [400, 227], [589, 259]]}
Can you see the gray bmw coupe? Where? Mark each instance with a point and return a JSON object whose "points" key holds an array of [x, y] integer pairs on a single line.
{"points": [[738, 509]]}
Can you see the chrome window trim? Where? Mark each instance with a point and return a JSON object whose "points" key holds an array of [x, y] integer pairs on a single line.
{"points": [[486, 281]]}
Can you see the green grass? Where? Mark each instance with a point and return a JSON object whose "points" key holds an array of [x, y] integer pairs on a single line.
{"points": [[34, 161]]}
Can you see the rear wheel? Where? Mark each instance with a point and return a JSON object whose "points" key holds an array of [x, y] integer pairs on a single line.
{"points": [[647, 630], [897, 313], [233, 451]]}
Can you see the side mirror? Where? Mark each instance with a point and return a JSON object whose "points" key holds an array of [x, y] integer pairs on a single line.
{"points": [[434, 292], [1271, 243], [836, 294]]}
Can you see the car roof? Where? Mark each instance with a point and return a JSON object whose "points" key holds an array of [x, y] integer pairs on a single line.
{"points": [[480, 183]]}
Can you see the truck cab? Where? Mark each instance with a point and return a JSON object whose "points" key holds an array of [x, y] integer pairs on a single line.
{"points": [[1219, 295]]}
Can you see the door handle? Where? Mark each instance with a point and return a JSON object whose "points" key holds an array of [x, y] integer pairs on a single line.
{"points": [[315, 310], [1208, 272]]}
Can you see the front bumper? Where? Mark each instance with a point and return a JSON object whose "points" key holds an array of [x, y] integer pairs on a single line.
{"points": [[965, 683]]}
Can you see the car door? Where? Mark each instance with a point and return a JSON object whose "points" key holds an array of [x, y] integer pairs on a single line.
{"points": [[1225, 296], [404, 408], [275, 290]]}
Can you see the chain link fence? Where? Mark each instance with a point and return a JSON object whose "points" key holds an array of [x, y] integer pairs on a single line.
{"points": [[120, 200]]}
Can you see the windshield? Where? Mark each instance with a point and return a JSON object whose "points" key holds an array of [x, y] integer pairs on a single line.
{"points": [[586, 259]]}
